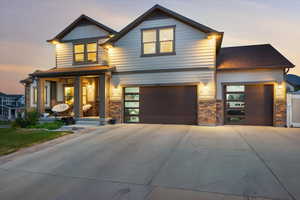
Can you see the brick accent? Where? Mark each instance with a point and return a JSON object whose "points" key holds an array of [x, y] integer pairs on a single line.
{"points": [[207, 112], [279, 113], [115, 110]]}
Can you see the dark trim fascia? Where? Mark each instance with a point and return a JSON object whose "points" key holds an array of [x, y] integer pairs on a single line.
{"points": [[249, 83], [164, 70], [62, 74], [84, 39], [161, 84], [254, 68]]}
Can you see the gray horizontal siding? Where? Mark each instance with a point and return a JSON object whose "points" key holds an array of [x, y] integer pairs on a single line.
{"points": [[193, 49], [163, 78], [88, 31]]}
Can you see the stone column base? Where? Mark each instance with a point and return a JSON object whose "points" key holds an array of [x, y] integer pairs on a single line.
{"points": [[210, 112], [279, 115], [115, 110]]}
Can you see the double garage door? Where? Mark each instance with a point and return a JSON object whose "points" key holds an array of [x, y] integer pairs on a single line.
{"points": [[243, 104]]}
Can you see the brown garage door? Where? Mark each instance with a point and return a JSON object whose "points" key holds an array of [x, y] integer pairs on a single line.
{"points": [[168, 105], [249, 104]]}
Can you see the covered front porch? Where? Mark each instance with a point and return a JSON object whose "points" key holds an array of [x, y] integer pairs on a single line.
{"points": [[84, 90]]}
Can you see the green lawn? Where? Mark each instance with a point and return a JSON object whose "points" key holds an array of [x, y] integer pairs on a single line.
{"points": [[12, 139]]}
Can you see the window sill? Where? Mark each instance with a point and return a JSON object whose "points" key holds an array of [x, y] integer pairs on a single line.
{"points": [[158, 54]]}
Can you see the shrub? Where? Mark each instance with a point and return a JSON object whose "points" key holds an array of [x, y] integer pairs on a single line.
{"points": [[30, 119], [48, 125]]}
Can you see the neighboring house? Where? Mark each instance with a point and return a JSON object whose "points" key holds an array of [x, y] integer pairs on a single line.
{"points": [[292, 82], [161, 68], [10, 106]]}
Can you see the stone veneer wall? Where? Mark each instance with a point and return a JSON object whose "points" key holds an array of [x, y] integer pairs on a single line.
{"points": [[115, 110], [209, 112], [279, 113]]}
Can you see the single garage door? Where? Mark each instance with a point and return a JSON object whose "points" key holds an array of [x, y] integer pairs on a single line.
{"points": [[163, 105], [249, 104]]}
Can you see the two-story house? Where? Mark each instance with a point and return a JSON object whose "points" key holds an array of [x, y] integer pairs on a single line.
{"points": [[161, 68]]}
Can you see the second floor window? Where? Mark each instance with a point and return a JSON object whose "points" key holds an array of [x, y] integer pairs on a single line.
{"points": [[158, 41], [85, 53]]}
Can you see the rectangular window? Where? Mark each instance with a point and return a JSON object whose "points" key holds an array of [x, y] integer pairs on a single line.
{"points": [[69, 95], [234, 104], [85, 53], [46, 95], [131, 104], [35, 95], [158, 41]]}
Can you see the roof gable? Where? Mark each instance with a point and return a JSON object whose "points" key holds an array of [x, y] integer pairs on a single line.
{"points": [[81, 21], [158, 11]]}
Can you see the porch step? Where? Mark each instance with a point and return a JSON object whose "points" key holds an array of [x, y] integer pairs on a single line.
{"points": [[95, 122]]}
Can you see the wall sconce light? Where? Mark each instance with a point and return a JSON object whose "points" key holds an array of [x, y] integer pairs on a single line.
{"points": [[55, 42]]}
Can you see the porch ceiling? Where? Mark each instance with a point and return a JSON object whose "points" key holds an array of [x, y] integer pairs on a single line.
{"points": [[73, 71]]}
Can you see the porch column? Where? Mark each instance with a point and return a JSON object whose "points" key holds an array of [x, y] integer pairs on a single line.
{"points": [[77, 97], [40, 95], [102, 98]]}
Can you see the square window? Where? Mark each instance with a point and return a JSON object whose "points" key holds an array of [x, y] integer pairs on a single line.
{"points": [[79, 57], [235, 104], [166, 47], [166, 34], [78, 48], [149, 36], [149, 48], [132, 111], [91, 47], [92, 57], [132, 119]]}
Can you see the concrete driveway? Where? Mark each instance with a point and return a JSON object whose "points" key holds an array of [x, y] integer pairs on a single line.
{"points": [[161, 162]]}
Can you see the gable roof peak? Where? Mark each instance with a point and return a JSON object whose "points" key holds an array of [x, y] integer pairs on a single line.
{"points": [[77, 21], [168, 12]]}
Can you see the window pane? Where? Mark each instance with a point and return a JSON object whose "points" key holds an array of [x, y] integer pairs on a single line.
{"points": [[149, 48], [92, 57], [132, 90], [149, 36], [235, 104], [166, 47], [132, 111], [79, 48], [166, 34], [235, 88], [91, 47], [132, 104], [132, 97], [79, 57], [132, 119], [235, 112], [239, 97]]}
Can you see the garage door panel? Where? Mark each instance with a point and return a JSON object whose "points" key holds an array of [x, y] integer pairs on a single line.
{"points": [[168, 105]]}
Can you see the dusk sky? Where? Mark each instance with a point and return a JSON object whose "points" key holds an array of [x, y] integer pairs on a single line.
{"points": [[26, 25]]}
